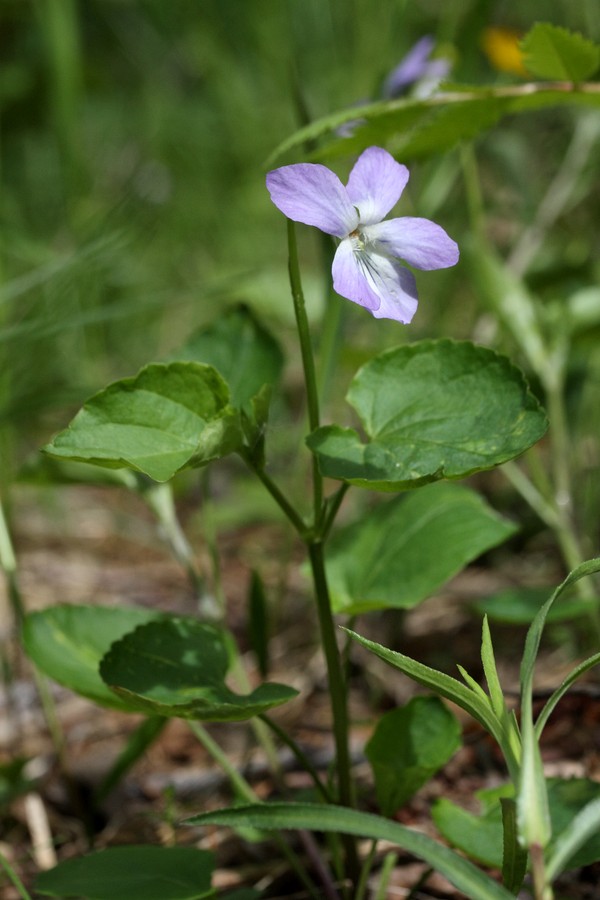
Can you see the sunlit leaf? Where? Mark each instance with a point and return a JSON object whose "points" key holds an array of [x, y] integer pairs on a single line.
{"points": [[67, 643], [124, 873], [166, 418], [550, 51], [411, 402], [409, 745], [385, 559], [177, 667]]}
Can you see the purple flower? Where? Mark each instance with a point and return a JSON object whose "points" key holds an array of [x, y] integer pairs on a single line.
{"points": [[417, 69], [366, 267]]}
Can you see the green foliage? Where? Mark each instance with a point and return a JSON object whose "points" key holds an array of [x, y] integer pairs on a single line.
{"points": [[244, 353], [384, 560], [411, 402], [556, 53], [518, 606], [480, 836], [415, 129], [177, 667], [166, 418], [275, 816], [13, 780], [408, 747], [122, 873], [67, 643]]}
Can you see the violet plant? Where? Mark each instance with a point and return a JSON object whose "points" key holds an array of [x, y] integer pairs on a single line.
{"points": [[429, 411]]}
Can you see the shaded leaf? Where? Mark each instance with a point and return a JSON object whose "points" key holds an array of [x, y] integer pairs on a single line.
{"points": [[550, 51], [177, 667], [518, 606], [408, 747], [276, 816], [480, 836], [124, 873], [240, 349], [411, 402], [67, 643], [385, 559], [166, 418]]}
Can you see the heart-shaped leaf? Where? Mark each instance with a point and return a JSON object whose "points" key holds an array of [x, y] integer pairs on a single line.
{"points": [[67, 643], [166, 418], [412, 402], [385, 560], [124, 873], [177, 667]]}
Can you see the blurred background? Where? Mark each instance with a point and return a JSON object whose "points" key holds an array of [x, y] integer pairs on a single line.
{"points": [[134, 141]]}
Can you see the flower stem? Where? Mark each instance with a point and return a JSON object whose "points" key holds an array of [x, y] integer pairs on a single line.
{"points": [[308, 361]]}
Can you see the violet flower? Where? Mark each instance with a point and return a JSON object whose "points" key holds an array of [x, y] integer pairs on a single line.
{"points": [[417, 70], [366, 267]]}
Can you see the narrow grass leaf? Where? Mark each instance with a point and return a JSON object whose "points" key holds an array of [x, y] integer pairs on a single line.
{"points": [[475, 884]]}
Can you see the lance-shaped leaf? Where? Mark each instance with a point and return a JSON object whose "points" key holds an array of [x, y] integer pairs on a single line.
{"points": [[177, 667], [240, 349], [166, 418], [124, 873], [314, 817], [385, 561], [431, 410], [67, 643], [415, 128]]}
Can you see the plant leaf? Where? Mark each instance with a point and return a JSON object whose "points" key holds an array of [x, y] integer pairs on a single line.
{"points": [[385, 561], [518, 606], [122, 873], [166, 418], [416, 128], [550, 51], [562, 690], [276, 816], [177, 667], [408, 747], [240, 349], [411, 402], [67, 643], [440, 683]]}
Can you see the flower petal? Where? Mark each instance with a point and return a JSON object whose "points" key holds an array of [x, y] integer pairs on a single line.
{"points": [[314, 195], [375, 184], [422, 243], [395, 287], [348, 279], [412, 67]]}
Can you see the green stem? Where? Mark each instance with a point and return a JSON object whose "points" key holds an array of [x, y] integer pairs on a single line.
{"points": [[308, 361], [244, 790], [296, 520], [14, 878], [300, 756], [363, 881], [337, 687]]}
